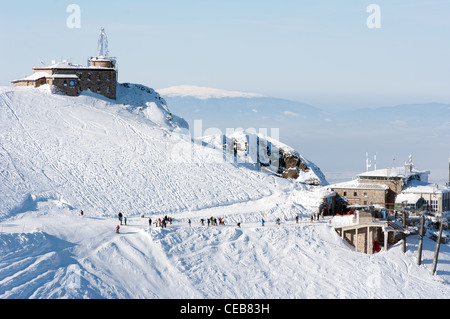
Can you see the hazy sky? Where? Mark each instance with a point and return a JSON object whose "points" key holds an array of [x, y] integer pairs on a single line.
{"points": [[320, 52]]}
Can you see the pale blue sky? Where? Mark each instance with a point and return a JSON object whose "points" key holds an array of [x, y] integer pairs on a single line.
{"points": [[318, 51]]}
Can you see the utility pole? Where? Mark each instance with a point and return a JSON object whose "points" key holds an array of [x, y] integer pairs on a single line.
{"points": [[404, 234], [422, 226], [438, 244]]}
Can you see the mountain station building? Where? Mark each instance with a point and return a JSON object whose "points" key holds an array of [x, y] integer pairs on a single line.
{"points": [[100, 76], [394, 188]]}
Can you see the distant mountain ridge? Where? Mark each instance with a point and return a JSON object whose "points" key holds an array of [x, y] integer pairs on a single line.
{"points": [[203, 93], [338, 141]]}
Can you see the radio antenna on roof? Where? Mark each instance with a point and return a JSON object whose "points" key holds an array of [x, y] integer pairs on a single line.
{"points": [[103, 44]]}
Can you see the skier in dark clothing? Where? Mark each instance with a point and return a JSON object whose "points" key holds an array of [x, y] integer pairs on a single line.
{"points": [[150, 222]]}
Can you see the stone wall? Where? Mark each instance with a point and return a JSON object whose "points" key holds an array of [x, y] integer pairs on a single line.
{"points": [[358, 239], [62, 86], [98, 80], [395, 188], [362, 196]]}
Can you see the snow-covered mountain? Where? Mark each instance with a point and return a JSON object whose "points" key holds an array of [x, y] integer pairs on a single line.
{"points": [[203, 93], [229, 109], [60, 155]]}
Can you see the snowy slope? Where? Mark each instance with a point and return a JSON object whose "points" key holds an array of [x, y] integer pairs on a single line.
{"points": [[106, 156], [60, 154]]}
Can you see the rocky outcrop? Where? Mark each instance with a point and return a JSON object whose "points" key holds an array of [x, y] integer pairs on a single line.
{"points": [[269, 155]]}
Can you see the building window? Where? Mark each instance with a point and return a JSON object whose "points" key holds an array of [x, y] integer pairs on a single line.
{"points": [[365, 194], [345, 193], [108, 89], [434, 205], [355, 194]]}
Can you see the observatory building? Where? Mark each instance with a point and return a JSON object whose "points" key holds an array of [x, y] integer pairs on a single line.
{"points": [[100, 76]]}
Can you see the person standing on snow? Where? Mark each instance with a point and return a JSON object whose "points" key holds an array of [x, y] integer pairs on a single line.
{"points": [[150, 222], [263, 222], [117, 229]]}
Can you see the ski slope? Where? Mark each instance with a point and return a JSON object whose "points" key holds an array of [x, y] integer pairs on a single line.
{"points": [[60, 155]]}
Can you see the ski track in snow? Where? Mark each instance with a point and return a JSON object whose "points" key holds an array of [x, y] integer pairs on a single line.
{"points": [[59, 155]]}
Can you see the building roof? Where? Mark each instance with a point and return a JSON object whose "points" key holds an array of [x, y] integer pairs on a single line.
{"points": [[63, 76], [40, 75], [68, 65], [417, 187], [356, 184], [394, 172], [407, 198]]}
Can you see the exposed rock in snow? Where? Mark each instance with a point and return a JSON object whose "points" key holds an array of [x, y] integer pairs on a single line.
{"points": [[272, 155]]}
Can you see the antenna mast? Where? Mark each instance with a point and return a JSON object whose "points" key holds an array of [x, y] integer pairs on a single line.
{"points": [[368, 162], [103, 44]]}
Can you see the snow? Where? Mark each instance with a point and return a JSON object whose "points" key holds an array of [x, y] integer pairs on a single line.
{"points": [[69, 65], [408, 198], [424, 188], [395, 172], [36, 76], [60, 155], [357, 184]]}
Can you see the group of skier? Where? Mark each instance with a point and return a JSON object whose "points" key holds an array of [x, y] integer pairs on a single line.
{"points": [[212, 221], [122, 220], [161, 222]]}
